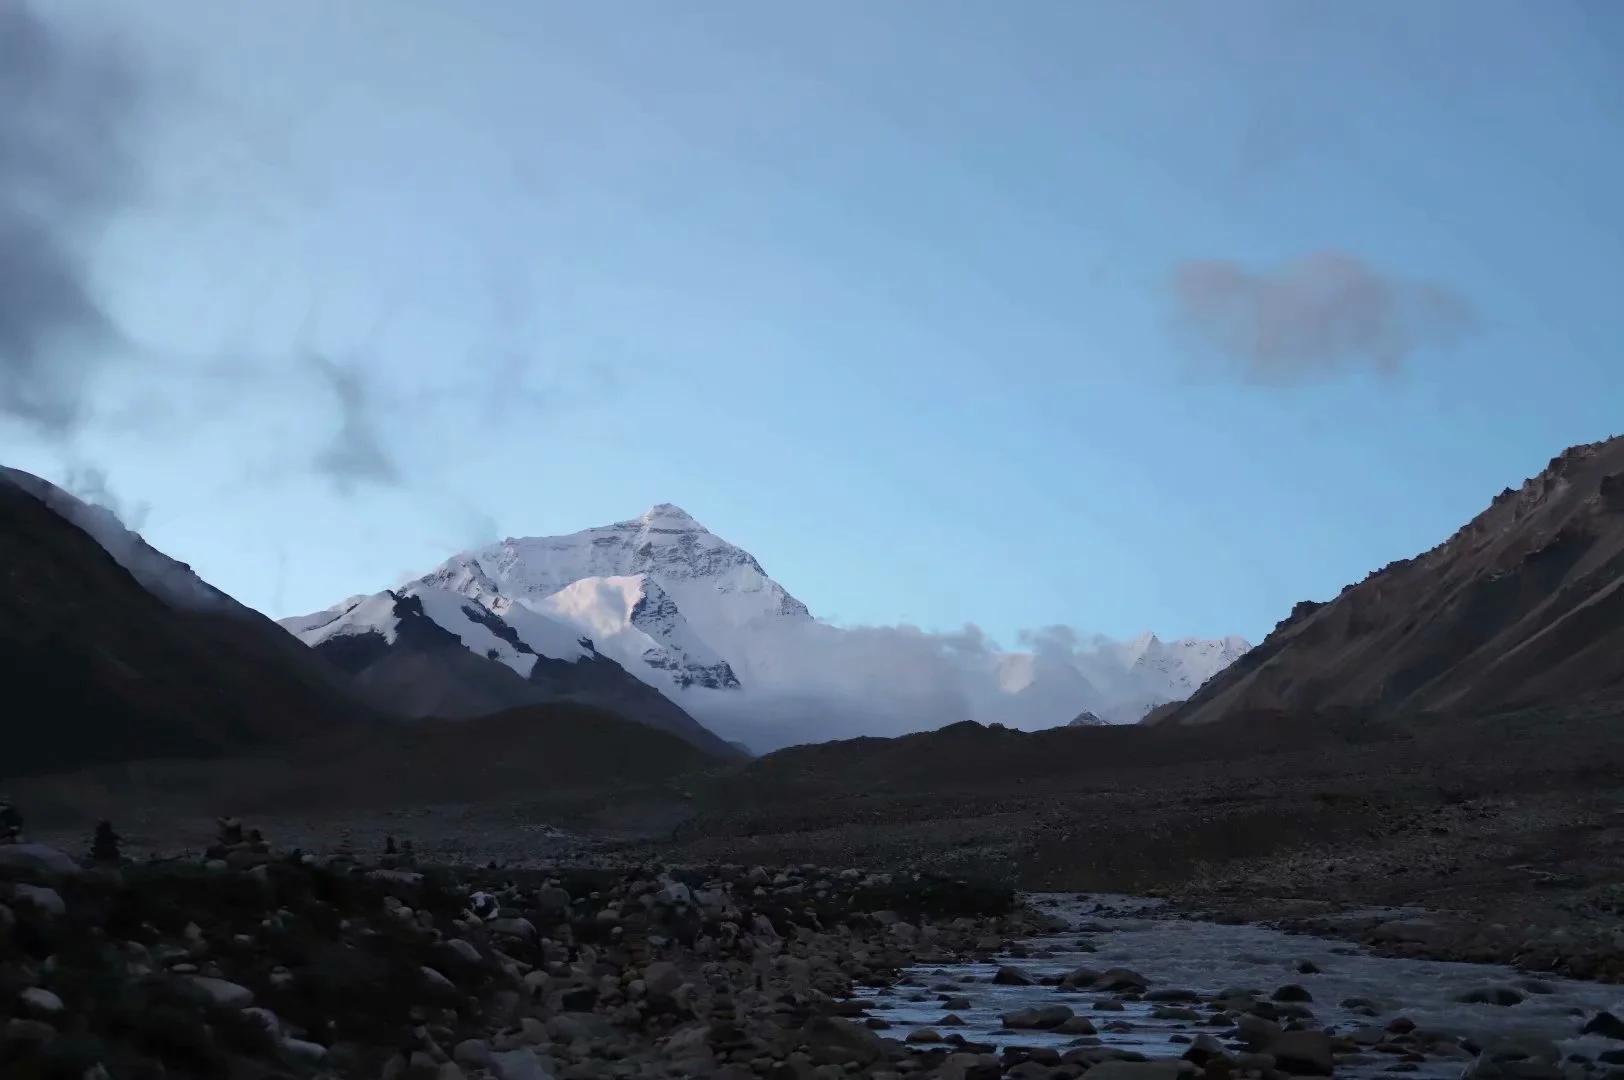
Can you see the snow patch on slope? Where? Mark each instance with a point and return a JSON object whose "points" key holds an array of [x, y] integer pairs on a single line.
{"points": [[360, 614], [632, 620], [514, 637]]}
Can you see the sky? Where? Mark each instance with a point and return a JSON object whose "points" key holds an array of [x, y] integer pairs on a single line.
{"points": [[1108, 315]]}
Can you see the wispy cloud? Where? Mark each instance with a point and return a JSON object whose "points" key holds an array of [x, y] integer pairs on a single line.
{"points": [[65, 126], [1313, 318], [355, 454], [90, 484]]}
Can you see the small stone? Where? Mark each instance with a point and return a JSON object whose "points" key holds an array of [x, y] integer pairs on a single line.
{"points": [[40, 1001], [222, 992], [475, 1053], [437, 982], [306, 1052]]}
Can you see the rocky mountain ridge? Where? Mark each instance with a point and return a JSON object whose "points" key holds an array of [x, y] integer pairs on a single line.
{"points": [[1524, 605]]}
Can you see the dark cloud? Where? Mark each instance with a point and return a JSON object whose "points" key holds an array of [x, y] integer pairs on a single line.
{"points": [[67, 108], [1315, 317], [355, 454]]}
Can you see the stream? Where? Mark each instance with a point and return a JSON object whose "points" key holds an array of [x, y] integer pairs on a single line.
{"points": [[1205, 957]]}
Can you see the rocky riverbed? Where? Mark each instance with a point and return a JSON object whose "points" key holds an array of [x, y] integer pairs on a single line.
{"points": [[252, 962], [1137, 980]]}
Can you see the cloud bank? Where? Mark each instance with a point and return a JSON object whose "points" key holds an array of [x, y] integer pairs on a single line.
{"points": [[810, 681], [1316, 317]]}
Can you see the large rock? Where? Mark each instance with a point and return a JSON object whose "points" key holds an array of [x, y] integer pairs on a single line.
{"points": [[39, 859], [662, 978], [855, 1042], [523, 929], [1137, 1070], [1303, 1053], [1256, 1032], [1012, 976], [1043, 1016], [45, 899], [1120, 980], [1606, 1025], [519, 1064]]}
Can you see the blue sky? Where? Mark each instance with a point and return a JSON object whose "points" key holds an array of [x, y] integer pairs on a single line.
{"points": [[885, 293]]}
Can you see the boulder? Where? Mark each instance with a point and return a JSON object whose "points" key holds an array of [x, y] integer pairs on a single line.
{"points": [[854, 1041], [661, 978], [523, 929], [1292, 992], [1042, 1016], [1136, 1070], [1604, 1024], [1012, 976], [1303, 1053], [1121, 980], [1256, 1032], [45, 899], [519, 1064], [38, 859]]}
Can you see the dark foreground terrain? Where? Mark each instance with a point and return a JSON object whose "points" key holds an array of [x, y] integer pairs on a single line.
{"points": [[1511, 827], [258, 963]]}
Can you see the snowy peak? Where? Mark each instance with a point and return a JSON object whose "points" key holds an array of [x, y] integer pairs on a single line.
{"points": [[672, 601], [1173, 671], [669, 517]]}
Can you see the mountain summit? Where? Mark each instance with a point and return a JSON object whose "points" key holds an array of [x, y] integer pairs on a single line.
{"points": [[664, 595]]}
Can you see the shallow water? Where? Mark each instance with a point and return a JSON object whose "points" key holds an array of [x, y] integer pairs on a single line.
{"points": [[1208, 957]]}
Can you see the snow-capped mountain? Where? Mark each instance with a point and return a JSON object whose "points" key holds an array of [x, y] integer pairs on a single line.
{"points": [[699, 620], [1180, 667], [424, 650], [674, 602]]}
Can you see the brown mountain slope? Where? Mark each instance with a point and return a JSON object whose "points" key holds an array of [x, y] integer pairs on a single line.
{"points": [[1523, 606], [97, 668]]}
